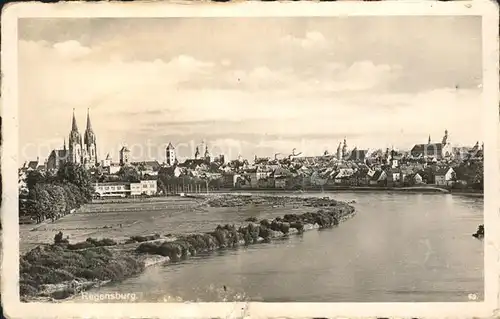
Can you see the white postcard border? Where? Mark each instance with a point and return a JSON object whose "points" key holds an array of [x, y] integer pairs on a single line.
{"points": [[10, 263]]}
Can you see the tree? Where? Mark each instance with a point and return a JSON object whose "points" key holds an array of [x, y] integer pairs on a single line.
{"points": [[33, 178], [77, 175], [128, 174], [70, 197], [41, 201]]}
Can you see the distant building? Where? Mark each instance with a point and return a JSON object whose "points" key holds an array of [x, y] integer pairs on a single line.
{"points": [[148, 187], [124, 156], [379, 178], [357, 155], [444, 176], [207, 155], [170, 155], [114, 168], [435, 150], [112, 189], [57, 158], [105, 163], [126, 189]]}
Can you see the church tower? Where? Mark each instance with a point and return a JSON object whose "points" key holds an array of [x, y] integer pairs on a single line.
{"points": [[445, 137], [89, 140], [344, 149], [170, 154], [207, 154], [197, 153], [339, 151], [75, 143]]}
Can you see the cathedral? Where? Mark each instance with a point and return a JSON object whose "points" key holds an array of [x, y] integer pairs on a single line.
{"points": [[82, 150]]}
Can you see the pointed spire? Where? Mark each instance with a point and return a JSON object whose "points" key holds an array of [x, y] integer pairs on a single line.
{"points": [[74, 127], [64, 144], [89, 125], [429, 141]]}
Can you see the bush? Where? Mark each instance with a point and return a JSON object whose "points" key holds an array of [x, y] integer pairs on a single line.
{"points": [[80, 245], [27, 290], [149, 248], [102, 242], [141, 239], [54, 265]]}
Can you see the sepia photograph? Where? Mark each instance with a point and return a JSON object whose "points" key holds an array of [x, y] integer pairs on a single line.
{"points": [[276, 158]]}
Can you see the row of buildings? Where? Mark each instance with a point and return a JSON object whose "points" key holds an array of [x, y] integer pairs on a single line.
{"points": [[431, 163]]}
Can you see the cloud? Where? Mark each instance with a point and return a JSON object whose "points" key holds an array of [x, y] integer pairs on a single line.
{"points": [[136, 100], [225, 62], [311, 40], [71, 49]]}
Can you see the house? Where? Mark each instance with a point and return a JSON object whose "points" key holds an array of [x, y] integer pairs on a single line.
{"points": [[32, 165], [379, 178], [361, 177], [415, 179], [393, 176], [444, 176], [193, 163], [173, 171], [105, 163], [148, 187], [114, 168], [342, 176], [279, 172], [255, 174]]}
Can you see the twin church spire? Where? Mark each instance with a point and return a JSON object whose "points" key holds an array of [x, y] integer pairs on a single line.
{"points": [[82, 150]]}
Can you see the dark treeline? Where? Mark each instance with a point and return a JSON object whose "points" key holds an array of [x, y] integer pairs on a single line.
{"points": [[51, 196]]}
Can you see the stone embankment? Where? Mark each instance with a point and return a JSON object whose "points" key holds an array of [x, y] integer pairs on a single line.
{"points": [[61, 270]]}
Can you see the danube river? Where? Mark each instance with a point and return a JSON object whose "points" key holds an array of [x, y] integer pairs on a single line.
{"points": [[398, 248]]}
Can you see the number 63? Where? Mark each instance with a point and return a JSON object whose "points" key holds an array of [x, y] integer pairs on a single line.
{"points": [[472, 297]]}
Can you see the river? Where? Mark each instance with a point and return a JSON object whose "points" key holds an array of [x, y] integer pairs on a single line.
{"points": [[398, 248]]}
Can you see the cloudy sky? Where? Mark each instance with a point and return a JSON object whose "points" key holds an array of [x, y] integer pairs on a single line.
{"points": [[252, 86]]}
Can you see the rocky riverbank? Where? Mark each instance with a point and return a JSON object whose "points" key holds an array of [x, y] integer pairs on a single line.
{"points": [[61, 270]]}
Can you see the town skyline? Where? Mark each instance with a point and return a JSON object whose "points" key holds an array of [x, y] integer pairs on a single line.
{"points": [[302, 87], [186, 149]]}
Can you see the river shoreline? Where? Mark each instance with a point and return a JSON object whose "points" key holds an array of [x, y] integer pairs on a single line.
{"points": [[151, 250], [355, 189]]}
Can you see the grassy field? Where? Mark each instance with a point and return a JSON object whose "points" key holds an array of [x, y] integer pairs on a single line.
{"points": [[120, 220]]}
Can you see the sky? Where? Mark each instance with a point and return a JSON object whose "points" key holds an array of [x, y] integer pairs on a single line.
{"points": [[249, 86]]}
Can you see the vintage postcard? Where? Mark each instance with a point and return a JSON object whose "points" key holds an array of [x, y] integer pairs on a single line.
{"points": [[256, 160]]}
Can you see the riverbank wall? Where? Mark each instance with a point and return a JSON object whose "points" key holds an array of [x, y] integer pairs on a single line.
{"points": [[58, 272]]}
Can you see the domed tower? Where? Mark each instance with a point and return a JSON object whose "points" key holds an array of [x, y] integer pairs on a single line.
{"points": [[197, 152], [75, 143], [344, 148], [207, 154], [89, 141], [445, 137], [339, 151]]}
